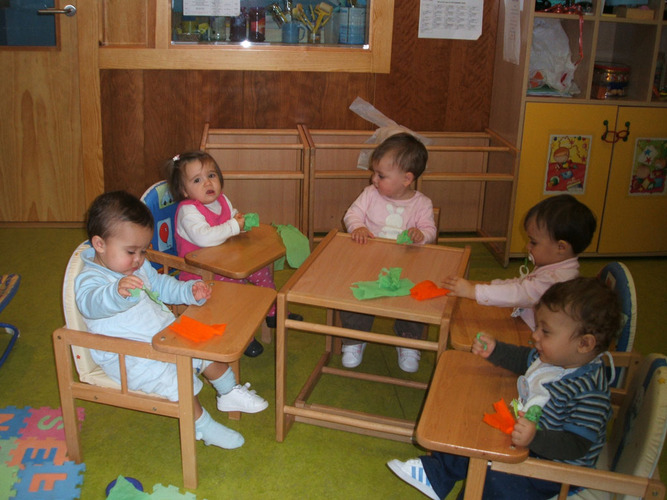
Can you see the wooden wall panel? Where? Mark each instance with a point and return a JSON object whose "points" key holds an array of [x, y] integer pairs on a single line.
{"points": [[122, 141], [126, 22], [438, 85], [434, 85]]}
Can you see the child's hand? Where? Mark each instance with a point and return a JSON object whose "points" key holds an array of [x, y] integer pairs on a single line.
{"points": [[240, 218], [483, 345], [524, 432], [460, 287], [415, 235], [129, 283], [361, 235], [201, 290]]}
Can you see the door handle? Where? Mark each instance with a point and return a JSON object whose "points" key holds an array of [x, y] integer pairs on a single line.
{"points": [[621, 135], [69, 11]]}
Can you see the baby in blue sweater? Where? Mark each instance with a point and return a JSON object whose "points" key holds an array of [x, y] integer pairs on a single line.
{"points": [[110, 295]]}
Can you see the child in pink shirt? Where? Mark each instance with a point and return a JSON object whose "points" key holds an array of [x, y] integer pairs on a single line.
{"points": [[385, 209], [559, 228]]}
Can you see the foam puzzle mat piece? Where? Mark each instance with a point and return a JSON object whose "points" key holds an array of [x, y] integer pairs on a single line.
{"points": [[38, 451], [170, 492], [125, 490], [6, 447], [8, 476], [50, 482], [33, 456], [47, 422], [12, 421]]}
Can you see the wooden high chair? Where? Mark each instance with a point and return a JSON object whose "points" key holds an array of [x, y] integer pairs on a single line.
{"points": [[214, 260], [72, 343], [627, 463], [627, 467]]}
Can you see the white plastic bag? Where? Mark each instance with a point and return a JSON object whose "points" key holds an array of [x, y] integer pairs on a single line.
{"points": [[550, 58], [387, 128]]}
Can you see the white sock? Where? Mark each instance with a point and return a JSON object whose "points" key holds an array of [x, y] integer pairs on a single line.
{"points": [[225, 382], [213, 433]]}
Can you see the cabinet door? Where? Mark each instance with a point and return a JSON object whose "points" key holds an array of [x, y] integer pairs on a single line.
{"points": [[542, 123], [634, 219]]}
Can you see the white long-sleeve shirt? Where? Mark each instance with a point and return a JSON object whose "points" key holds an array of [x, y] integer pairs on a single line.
{"points": [[192, 226]]}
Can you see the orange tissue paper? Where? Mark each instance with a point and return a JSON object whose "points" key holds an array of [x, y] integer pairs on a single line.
{"points": [[196, 331], [427, 290], [502, 419]]}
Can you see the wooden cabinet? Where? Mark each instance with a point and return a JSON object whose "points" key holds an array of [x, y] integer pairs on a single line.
{"points": [[136, 34], [614, 129], [634, 222], [627, 221]]}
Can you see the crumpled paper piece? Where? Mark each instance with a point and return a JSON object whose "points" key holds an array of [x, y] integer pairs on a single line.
{"points": [[251, 220], [502, 419], [196, 331], [387, 128], [427, 290], [389, 284], [404, 238], [297, 246], [154, 296]]}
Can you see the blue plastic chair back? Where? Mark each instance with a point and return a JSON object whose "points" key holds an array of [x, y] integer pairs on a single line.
{"points": [[9, 284], [617, 277], [159, 201]]}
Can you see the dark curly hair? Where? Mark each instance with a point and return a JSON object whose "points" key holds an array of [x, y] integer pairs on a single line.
{"points": [[108, 209], [591, 304], [565, 218]]}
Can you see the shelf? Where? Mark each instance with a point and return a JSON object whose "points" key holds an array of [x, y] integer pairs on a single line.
{"points": [[137, 35], [633, 42]]}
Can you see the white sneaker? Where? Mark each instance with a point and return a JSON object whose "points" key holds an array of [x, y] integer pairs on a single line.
{"points": [[412, 472], [240, 398], [353, 354], [408, 359]]}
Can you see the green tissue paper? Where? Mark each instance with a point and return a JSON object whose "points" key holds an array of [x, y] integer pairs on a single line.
{"points": [[389, 284]]}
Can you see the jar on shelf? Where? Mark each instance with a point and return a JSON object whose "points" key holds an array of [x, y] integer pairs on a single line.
{"points": [[610, 80], [257, 20], [237, 27]]}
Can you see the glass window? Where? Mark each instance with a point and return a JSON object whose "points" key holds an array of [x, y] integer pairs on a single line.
{"points": [[278, 22], [21, 25]]}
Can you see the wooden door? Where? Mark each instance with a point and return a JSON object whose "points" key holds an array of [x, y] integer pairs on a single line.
{"points": [[634, 214], [543, 122], [41, 166]]}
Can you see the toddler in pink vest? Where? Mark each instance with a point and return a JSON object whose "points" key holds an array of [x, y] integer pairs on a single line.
{"points": [[205, 217]]}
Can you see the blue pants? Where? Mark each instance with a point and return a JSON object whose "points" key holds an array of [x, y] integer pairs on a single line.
{"points": [[444, 470]]}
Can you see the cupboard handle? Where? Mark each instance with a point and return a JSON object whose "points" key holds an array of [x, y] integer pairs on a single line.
{"points": [[69, 11], [621, 135]]}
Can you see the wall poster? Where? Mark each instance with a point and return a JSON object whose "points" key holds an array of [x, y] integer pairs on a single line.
{"points": [[567, 164], [648, 167]]}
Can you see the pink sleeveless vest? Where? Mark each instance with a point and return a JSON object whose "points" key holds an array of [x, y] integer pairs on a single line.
{"points": [[183, 246]]}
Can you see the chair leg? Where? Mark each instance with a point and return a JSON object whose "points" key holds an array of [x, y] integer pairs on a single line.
{"points": [[64, 372], [186, 420], [267, 333], [236, 368], [333, 318]]}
